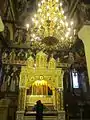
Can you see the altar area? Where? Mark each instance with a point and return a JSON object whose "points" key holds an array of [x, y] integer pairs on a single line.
{"points": [[41, 80]]}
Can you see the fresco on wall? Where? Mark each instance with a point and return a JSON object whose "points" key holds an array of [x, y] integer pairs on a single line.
{"points": [[10, 78]]}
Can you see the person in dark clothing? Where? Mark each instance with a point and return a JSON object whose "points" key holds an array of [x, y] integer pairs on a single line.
{"points": [[39, 107]]}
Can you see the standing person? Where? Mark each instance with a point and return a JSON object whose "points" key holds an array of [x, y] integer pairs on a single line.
{"points": [[39, 110]]}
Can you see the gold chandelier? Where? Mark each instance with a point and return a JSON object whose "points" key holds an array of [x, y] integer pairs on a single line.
{"points": [[51, 27]]}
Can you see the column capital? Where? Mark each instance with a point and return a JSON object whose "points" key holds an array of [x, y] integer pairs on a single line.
{"points": [[84, 33]]}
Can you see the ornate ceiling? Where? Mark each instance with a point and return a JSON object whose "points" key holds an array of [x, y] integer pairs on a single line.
{"points": [[25, 8]]}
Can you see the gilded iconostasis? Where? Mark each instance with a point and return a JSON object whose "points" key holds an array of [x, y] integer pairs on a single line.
{"points": [[26, 34]]}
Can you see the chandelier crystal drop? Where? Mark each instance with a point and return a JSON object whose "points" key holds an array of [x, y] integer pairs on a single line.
{"points": [[50, 22]]}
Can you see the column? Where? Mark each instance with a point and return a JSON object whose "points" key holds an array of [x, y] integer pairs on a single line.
{"points": [[21, 103], [58, 101], [61, 113], [54, 98], [22, 98], [84, 35], [61, 97]]}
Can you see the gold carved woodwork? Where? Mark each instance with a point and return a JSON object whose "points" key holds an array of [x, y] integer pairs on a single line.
{"points": [[42, 71]]}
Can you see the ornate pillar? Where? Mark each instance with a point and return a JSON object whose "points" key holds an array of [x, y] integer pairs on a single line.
{"points": [[21, 103], [84, 35], [58, 101], [22, 99], [60, 106], [61, 112], [54, 98], [61, 98], [60, 88]]}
